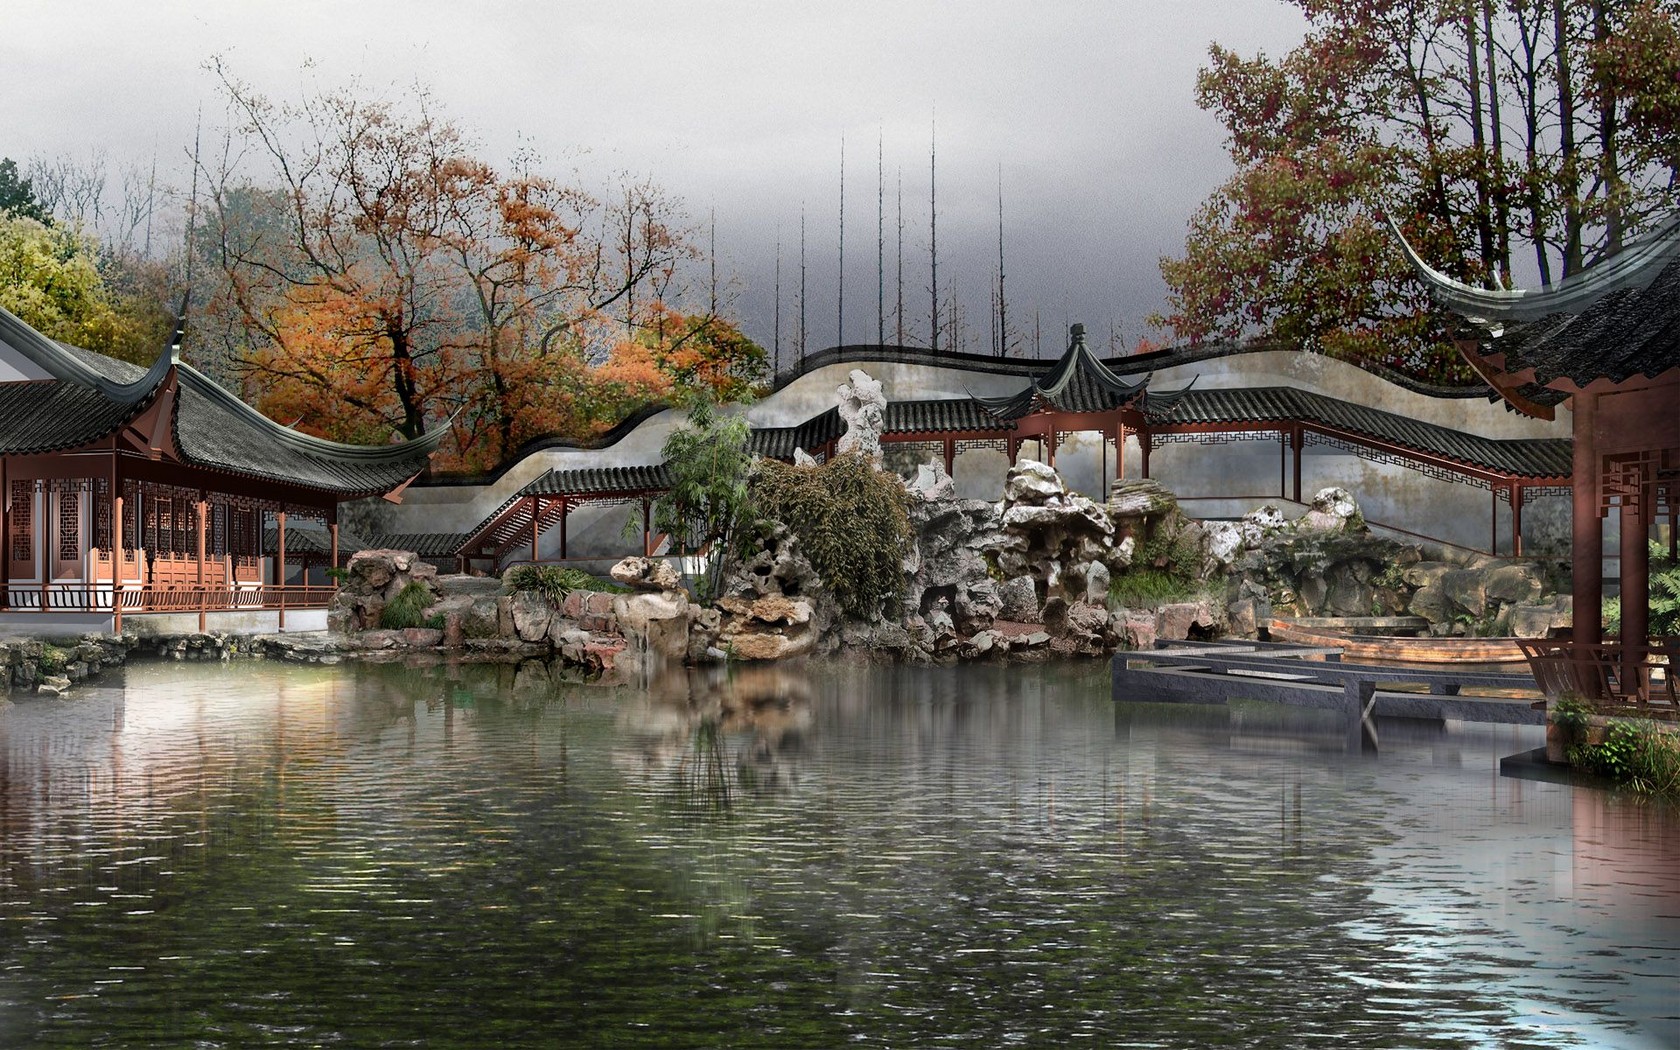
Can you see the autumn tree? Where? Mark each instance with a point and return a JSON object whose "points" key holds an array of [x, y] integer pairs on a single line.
{"points": [[1502, 135], [383, 277]]}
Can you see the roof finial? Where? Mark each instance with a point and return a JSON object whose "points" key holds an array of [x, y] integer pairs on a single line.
{"points": [[1077, 333]]}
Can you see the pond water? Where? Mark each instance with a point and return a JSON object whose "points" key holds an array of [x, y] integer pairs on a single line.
{"points": [[838, 854]]}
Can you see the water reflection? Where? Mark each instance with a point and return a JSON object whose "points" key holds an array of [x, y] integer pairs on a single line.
{"points": [[844, 853], [703, 736]]}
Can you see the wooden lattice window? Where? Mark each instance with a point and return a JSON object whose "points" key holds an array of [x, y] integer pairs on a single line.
{"points": [[69, 525], [23, 521], [218, 529], [130, 523]]}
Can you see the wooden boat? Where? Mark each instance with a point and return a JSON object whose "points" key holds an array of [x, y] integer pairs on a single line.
{"points": [[1362, 648]]}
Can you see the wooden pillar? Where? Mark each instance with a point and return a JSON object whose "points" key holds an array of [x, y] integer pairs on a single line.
{"points": [[1049, 442], [5, 536], [116, 562], [565, 512], [1587, 527], [647, 529], [1014, 449], [1295, 443], [536, 525], [1493, 520], [46, 535], [1673, 531], [1516, 520], [1103, 478], [202, 508], [1144, 444], [1120, 451], [280, 568], [332, 530], [1636, 587], [950, 455]]}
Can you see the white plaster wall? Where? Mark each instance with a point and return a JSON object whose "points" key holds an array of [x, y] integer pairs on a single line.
{"points": [[1400, 496], [15, 367]]}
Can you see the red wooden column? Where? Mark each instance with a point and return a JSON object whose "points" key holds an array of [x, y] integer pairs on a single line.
{"points": [[1587, 527], [1295, 442], [1516, 519], [565, 512], [1120, 450], [5, 537], [950, 455], [280, 569], [1493, 520], [1144, 448], [202, 508], [1636, 585], [333, 531], [536, 525], [647, 530], [116, 564]]}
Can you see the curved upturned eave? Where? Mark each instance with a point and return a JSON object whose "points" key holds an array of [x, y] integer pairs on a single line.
{"points": [[61, 364], [363, 455], [1634, 267]]}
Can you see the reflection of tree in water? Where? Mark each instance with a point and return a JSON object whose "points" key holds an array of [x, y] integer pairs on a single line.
{"points": [[711, 735]]}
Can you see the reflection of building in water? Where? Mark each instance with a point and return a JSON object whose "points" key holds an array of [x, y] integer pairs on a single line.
{"points": [[1625, 852]]}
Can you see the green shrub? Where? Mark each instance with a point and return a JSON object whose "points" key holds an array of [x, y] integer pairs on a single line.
{"points": [[1571, 713], [53, 659], [851, 521], [554, 582], [407, 609], [338, 575], [1635, 754], [1665, 597]]}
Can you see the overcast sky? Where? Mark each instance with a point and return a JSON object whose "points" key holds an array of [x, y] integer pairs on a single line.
{"points": [[738, 107]]}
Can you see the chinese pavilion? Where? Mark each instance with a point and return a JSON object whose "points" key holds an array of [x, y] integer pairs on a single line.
{"points": [[1606, 342], [127, 491]]}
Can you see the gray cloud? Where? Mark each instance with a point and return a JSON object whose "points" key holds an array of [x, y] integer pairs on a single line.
{"points": [[740, 107]]}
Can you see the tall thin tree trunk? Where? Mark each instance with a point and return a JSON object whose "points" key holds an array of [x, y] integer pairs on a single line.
{"points": [[933, 236], [898, 310], [1478, 142], [1501, 188], [1002, 301], [880, 241], [840, 292], [776, 338], [802, 288], [1534, 194], [1609, 156], [1569, 175]]}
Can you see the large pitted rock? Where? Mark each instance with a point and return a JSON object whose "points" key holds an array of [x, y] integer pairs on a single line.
{"points": [[532, 615], [1032, 482], [1137, 499], [945, 564], [1182, 620], [932, 483], [655, 623], [1046, 529], [1333, 510], [372, 578], [863, 408], [647, 574], [773, 627], [1019, 597]]}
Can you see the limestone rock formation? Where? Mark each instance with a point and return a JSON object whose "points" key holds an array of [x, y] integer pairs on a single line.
{"points": [[647, 574], [863, 408], [373, 578]]}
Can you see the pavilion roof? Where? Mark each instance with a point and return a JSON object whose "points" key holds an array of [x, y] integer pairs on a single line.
{"points": [[89, 396], [1076, 382], [1614, 320], [1511, 457]]}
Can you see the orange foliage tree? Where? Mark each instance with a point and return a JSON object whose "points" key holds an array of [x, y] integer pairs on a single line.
{"points": [[384, 279]]}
